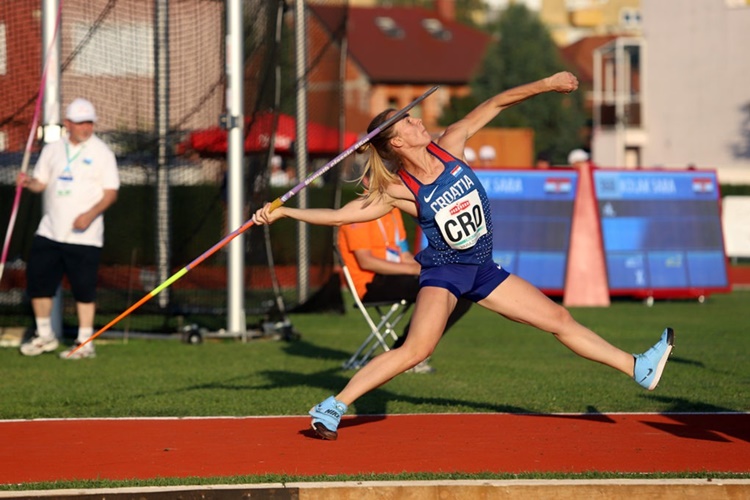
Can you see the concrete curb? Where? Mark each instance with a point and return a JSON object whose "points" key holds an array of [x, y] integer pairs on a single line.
{"points": [[664, 489]]}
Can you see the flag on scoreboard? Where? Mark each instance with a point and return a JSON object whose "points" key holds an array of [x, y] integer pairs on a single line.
{"points": [[558, 185], [703, 185]]}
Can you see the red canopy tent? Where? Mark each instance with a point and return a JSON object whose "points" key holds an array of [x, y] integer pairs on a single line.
{"points": [[321, 140]]}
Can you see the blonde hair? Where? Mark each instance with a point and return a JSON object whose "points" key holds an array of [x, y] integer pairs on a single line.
{"points": [[382, 161]]}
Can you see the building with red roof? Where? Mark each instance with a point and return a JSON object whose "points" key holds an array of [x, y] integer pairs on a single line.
{"points": [[394, 54]]}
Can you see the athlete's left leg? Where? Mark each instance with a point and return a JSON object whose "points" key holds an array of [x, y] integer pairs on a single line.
{"points": [[520, 301]]}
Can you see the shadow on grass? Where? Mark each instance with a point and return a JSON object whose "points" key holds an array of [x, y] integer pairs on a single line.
{"points": [[376, 401], [308, 350], [688, 362], [682, 405]]}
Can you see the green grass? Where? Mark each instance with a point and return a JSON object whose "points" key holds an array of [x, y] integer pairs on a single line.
{"points": [[484, 364]]}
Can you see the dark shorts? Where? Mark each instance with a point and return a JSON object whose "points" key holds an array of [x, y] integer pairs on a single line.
{"points": [[471, 282], [50, 260], [392, 287]]}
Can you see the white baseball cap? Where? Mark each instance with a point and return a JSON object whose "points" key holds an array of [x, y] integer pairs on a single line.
{"points": [[80, 110], [577, 155]]}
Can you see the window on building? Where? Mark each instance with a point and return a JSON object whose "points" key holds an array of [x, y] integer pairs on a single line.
{"points": [[435, 28], [630, 18], [125, 49], [389, 27], [3, 50]]}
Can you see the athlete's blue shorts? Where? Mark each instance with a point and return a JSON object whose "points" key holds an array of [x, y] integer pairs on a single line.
{"points": [[473, 282]]}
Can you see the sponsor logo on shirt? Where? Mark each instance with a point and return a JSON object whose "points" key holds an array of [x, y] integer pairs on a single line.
{"points": [[429, 196]]}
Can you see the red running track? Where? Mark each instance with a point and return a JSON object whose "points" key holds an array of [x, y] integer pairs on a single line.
{"points": [[120, 449]]}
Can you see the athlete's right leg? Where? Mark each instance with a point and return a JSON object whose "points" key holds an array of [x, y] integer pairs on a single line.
{"points": [[462, 307], [431, 311]]}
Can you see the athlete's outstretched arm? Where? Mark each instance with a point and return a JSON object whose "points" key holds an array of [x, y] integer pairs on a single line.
{"points": [[455, 135], [354, 211]]}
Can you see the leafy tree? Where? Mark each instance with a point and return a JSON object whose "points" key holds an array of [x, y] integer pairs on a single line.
{"points": [[522, 52], [262, 54]]}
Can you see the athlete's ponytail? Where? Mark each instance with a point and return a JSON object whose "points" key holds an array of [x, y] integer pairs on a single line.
{"points": [[382, 161]]}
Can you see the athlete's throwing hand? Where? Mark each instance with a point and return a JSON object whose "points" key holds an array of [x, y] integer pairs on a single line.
{"points": [[266, 216], [563, 82]]}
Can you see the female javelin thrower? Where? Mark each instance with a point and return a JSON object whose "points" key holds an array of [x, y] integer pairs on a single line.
{"points": [[429, 180]]}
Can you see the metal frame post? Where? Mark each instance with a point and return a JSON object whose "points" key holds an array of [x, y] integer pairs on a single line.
{"points": [[236, 320]]}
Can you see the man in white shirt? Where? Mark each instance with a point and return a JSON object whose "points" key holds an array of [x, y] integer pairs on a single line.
{"points": [[79, 181]]}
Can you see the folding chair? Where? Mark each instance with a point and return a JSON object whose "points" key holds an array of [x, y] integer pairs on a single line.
{"points": [[381, 317]]}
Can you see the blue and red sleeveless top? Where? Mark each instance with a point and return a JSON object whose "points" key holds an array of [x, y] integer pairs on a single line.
{"points": [[453, 212]]}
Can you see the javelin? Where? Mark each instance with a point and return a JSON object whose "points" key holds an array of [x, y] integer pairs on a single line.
{"points": [[274, 205]]}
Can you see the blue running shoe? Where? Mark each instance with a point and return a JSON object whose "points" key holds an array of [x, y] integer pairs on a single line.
{"points": [[326, 417], [650, 365]]}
